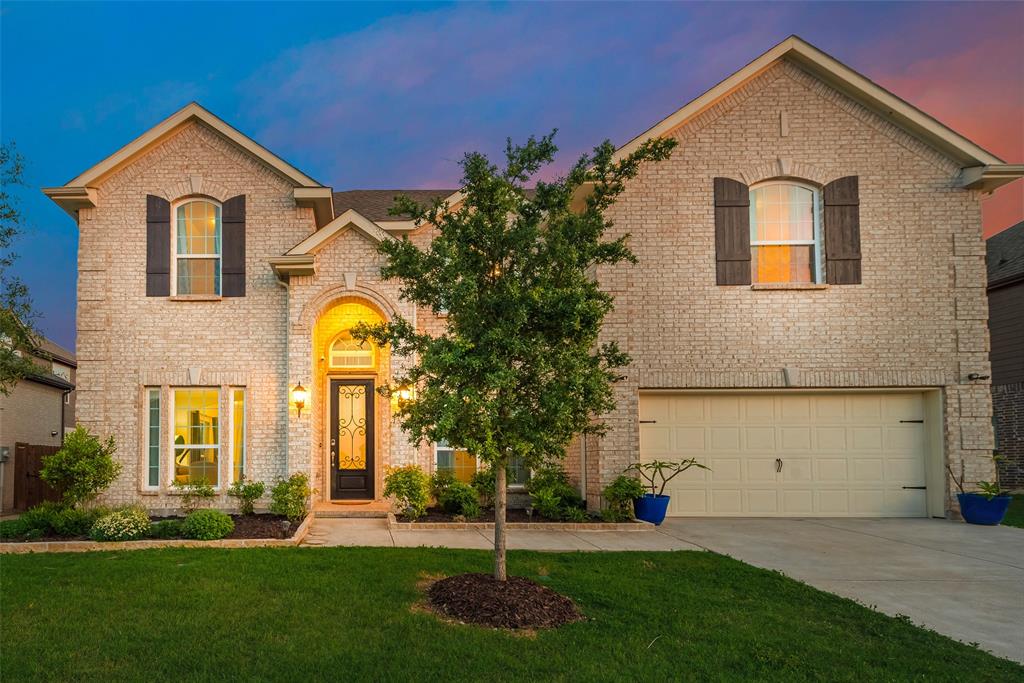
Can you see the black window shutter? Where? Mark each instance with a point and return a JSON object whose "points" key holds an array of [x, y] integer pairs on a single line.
{"points": [[842, 231], [233, 257], [158, 246], [732, 232]]}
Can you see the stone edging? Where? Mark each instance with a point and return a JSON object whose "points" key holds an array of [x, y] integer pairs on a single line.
{"points": [[395, 525], [88, 546]]}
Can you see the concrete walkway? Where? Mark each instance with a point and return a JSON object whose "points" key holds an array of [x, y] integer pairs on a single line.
{"points": [[964, 581], [375, 532]]}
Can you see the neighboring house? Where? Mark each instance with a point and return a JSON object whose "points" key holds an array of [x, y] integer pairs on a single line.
{"points": [[1006, 327], [806, 316], [38, 411]]}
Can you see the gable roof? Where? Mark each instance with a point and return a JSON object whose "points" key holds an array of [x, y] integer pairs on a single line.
{"points": [[1004, 256], [859, 88], [80, 191], [374, 204]]}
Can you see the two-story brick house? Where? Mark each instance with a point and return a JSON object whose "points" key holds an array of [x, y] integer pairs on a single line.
{"points": [[807, 315]]}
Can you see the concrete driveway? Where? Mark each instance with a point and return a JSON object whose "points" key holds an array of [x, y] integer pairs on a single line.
{"points": [[961, 580]]}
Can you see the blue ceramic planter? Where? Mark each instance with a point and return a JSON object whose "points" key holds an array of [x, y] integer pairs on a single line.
{"points": [[651, 508], [977, 509]]}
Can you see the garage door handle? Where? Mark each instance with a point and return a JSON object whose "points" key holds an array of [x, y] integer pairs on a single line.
{"points": [[918, 422], [778, 464], [922, 488], [648, 422]]}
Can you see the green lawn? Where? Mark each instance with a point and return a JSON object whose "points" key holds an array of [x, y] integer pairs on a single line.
{"points": [[1015, 515], [315, 614]]}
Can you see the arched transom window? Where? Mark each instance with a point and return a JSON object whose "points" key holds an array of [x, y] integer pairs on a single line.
{"points": [[198, 248], [785, 233], [347, 353]]}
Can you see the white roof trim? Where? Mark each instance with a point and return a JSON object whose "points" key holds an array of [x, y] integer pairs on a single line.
{"points": [[157, 132], [843, 78], [351, 218]]}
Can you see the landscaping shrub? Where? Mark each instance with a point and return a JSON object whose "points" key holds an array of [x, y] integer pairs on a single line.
{"points": [[290, 497], [439, 483], [76, 521], [574, 514], [207, 525], [410, 487], [459, 498], [126, 524], [167, 528], [551, 494], [14, 529], [83, 467], [247, 493], [194, 494], [483, 482], [620, 495], [41, 517], [547, 504]]}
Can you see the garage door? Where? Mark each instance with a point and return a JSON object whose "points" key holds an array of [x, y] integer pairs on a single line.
{"points": [[790, 455]]}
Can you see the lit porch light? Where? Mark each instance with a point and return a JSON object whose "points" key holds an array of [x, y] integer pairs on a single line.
{"points": [[299, 396]]}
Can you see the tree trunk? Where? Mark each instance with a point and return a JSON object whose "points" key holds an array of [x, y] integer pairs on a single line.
{"points": [[500, 503]]}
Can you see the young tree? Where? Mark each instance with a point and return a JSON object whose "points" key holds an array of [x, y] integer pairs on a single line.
{"points": [[17, 336], [518, 371]]}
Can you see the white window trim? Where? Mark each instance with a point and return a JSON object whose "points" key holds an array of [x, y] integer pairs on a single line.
{"points": [[816, 242], [174, 245], [149, 438], [245, 431], [220, 433], [479, 466]]}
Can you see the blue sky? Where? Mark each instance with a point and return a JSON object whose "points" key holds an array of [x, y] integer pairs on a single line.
{"points": [[391, 95]]}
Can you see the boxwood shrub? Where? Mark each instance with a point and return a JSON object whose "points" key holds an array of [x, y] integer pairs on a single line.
{"points": [[207, 525]]}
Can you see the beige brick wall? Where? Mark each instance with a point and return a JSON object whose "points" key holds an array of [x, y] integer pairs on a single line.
{"points": [[918, 319], [127, 340], [29, 414]]}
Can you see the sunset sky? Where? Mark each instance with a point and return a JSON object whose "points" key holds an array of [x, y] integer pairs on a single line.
{"points": [[391, 95]]}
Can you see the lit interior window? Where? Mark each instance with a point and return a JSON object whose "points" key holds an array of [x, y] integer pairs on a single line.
{"points": [[784, 234], [196, 435], [198, 248]]}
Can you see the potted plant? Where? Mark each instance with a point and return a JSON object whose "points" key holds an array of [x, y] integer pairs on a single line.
{"points": [[653, 506], [986, 506]]}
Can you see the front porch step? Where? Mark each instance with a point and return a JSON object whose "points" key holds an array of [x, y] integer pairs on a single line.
{"points": [[352, 511]]}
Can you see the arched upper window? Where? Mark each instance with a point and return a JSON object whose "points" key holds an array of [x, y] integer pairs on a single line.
{"points": [[347, 353], [198, 248], [785, 233]]}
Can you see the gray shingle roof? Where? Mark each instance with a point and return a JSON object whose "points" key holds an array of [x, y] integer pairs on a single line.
{"points": [[374, 204], [1005, 255]]}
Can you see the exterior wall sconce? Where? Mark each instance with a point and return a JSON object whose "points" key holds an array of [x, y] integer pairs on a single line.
{"points": [[299, 396], [403, 394]]}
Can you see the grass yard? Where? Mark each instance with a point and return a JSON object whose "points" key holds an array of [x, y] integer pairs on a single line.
{"points": [[332, 613]]}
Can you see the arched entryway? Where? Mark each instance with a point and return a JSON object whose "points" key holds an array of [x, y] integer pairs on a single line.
{"points": [[350, 417]]}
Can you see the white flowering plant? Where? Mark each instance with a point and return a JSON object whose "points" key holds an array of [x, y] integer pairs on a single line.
{"points": [[127, 524]]}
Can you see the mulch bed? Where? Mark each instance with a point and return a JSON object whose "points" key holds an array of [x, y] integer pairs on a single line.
{"points": [[517, 603], [261, 526], [246, 526], [487, 515]]}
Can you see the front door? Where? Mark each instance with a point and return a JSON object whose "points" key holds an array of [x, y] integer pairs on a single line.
{"points": [[352, 439]]}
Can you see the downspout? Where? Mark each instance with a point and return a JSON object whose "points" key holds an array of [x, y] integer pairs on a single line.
{"points": [[583, 467], [63, 398], [287, 377]]}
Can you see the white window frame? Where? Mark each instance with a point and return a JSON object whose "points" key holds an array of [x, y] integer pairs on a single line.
{"points": [[149, 391], [513, 486], [816, 211], [172, 447], [245, 431], [367, 348], [219, 279]]}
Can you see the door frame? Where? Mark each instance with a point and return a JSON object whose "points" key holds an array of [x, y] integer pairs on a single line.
{"points": [[325, 430]]}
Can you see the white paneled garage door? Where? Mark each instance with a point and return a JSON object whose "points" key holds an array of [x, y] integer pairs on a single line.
{"points": [[790, 455]]}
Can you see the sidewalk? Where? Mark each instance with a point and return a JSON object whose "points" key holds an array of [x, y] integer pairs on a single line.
{"points": [[375, 532]]}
